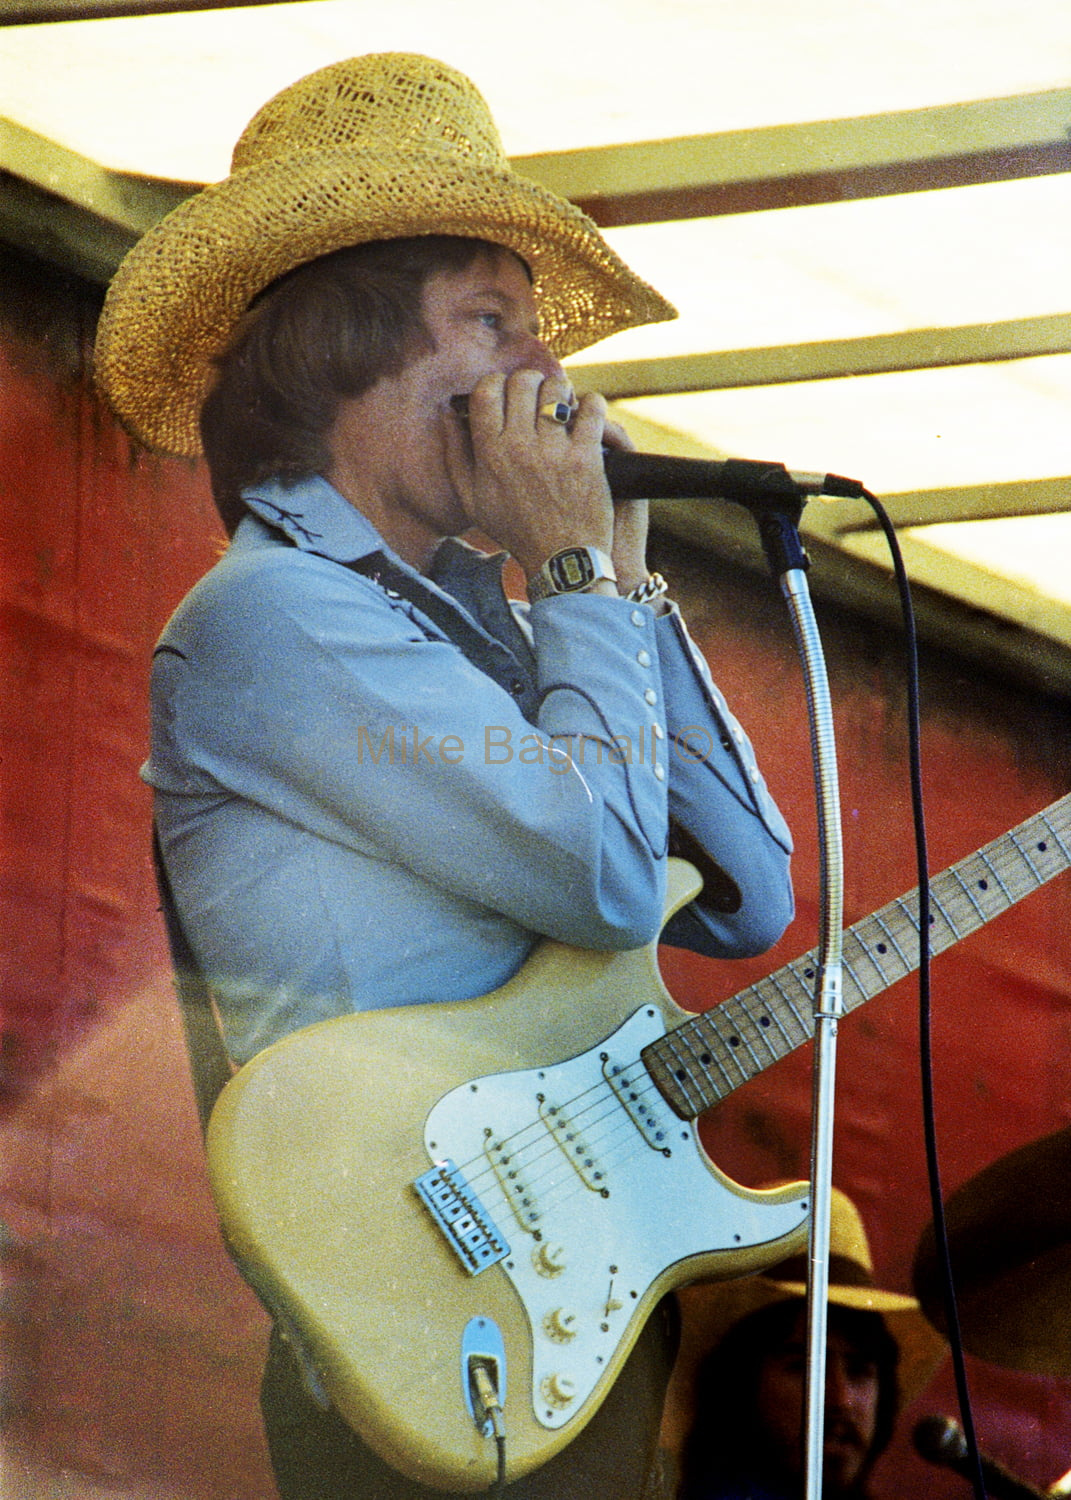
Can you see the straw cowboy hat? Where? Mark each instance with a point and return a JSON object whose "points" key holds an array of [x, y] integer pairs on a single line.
{"points": [[386, 146], [710, 1309]]}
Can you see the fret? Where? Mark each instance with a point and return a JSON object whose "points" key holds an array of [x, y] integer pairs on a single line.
{"points": [[768, 1018], [958, 901], [762, 1020], [787, 1000], [731, 1043], [804, 984], [851, 1001], [743, 1024], [910, 914], [1025, 857], [991, 867], [979, 909], [704, 1028], [882, 948], [989, 892], [1063, 847], [853, 943], [678, 1082], [886, 927], [954, 933], [712, 1033]]}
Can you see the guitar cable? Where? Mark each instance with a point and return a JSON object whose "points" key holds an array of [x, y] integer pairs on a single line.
{"points": [[489, 1404]]}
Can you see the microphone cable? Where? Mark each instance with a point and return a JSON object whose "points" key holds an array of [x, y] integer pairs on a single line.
{"points": [[972, 1458]]}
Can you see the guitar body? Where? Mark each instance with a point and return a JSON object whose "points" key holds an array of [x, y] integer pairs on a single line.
{"points": [[501, 1182], [575, 1199]]}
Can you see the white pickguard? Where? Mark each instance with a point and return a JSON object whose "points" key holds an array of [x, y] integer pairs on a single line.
{"points": [[597, 1187]]}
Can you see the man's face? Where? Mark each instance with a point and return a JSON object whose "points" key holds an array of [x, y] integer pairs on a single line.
{"points": [[851, 1406], [388, 445]]}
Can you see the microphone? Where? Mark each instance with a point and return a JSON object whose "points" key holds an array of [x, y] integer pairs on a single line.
{"points": [[759, 487], [748, 482], [942, 1441]]}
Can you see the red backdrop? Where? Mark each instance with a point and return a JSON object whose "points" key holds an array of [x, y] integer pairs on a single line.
{"points": [[131, 1348]]}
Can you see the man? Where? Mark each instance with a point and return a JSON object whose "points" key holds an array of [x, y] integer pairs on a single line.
{"points": [[739, 1388], [376, 782]]}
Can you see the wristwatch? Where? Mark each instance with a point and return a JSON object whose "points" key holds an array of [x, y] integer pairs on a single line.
{"points": [[569, 571]]}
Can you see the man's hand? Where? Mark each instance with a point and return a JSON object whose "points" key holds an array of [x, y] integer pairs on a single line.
{"points": [[535, 485], [630, 524]]}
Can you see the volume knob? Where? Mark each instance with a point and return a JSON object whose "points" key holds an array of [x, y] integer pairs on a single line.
{"points": [[549, 1259], [560, 1325], [558, 1390]]}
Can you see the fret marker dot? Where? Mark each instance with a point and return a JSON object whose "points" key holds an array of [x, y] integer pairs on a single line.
{"points": [[1043, 846], [764, 1020], [983, 885], [882, 948], [734, 1041]]}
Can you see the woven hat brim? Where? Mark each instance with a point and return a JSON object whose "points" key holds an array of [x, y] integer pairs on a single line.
{"points": [[178, 295]]}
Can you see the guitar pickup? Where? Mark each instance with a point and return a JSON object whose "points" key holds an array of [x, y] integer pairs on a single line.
{"points": [[575, 1148], [641, 1102], [468, 1228], [515, 1185]]}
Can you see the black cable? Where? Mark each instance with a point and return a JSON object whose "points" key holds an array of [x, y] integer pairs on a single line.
{"points": [[944, 1260], [499, 1486]]}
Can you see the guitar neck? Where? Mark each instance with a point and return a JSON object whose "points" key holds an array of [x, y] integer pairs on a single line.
{"points": [[705, 1059]]}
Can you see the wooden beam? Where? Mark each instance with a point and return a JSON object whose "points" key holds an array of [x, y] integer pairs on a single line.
{"points": [[828, 359], [41, 12], [820, 161]]}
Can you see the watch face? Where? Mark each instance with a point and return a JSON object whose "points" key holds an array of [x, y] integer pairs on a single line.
{"points": [[572, 569]]}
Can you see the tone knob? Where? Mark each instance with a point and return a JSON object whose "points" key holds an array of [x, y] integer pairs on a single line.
{"points": [[560, 1325], [558, 1390], [549, 1259]]}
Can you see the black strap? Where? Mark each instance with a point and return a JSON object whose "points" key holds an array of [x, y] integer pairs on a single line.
{"points": [[485, 653], [209, 1063]]}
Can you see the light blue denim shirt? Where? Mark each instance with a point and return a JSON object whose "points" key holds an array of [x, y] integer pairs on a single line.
{"points": [[353, 814]]}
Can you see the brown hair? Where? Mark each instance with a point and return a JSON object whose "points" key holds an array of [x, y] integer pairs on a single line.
{"points": [[322, 333]]}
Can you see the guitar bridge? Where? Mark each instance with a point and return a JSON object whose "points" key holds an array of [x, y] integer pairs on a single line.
{"points": [[469, 1229]]}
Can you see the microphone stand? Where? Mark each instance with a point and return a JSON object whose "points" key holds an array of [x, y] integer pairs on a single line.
{"points": [[778, 521]]}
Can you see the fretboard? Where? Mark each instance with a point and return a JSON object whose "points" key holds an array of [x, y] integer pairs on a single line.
{"points": [[703, 1060]]}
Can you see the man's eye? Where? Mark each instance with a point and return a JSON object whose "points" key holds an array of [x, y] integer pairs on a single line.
{"points": [[491, 319]]}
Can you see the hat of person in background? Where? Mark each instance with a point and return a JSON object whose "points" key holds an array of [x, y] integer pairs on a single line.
{"points": [[710, 1309], [386, 146]]}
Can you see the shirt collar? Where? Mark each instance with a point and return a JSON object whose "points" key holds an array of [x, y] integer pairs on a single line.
{"points": [[313, 515]]}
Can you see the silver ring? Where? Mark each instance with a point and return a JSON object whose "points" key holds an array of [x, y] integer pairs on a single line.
{"points": [[556, 411]]}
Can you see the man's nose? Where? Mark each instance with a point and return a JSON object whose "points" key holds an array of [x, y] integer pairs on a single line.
{"points": [[528, 352]]}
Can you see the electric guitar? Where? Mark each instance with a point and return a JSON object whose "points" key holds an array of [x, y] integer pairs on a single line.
{"points": [[510, 1184]]}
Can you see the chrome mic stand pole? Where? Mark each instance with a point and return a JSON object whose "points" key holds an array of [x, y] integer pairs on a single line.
{"points": [[784, 552]]}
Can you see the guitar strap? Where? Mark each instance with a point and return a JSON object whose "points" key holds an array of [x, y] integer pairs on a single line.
{"points": [[485, 652]]}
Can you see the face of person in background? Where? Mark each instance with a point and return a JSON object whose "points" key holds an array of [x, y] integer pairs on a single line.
{"points": [[851, 1405]]}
